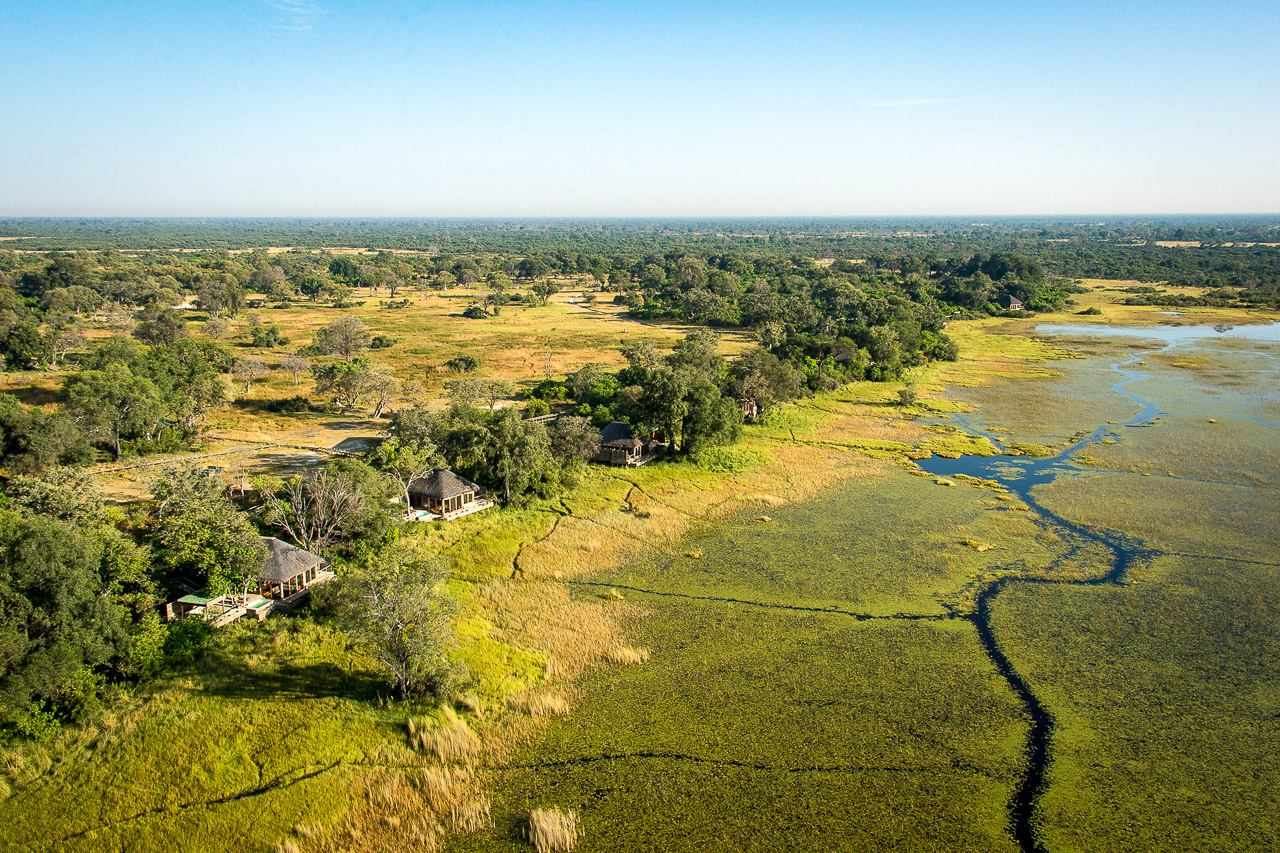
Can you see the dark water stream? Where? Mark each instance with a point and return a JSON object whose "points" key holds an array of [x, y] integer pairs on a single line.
{"points": [[1021, 475]]}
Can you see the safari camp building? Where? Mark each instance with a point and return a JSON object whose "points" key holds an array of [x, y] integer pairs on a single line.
{"points": [[443, 496], [285, 581], [619, 447]]}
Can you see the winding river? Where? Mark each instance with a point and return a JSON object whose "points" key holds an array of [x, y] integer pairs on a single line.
{"points": [[1021, 476]]}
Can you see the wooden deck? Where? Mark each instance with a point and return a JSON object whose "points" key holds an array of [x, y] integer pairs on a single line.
{"points": [[226, 609], [417, 514]]}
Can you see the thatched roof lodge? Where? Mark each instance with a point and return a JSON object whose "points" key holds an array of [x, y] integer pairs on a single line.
{"points": [[290, 571], [443, 495], [285, 581], [619, 447]]}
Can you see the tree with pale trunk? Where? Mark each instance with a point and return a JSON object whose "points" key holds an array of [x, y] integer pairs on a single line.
{"points": [[249, 369], [295, 364], [345, 336], [384, 388], [315, 509], [396, 611]]}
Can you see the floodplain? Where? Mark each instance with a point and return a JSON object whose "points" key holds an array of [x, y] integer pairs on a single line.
{"points": [[1093, 672]]}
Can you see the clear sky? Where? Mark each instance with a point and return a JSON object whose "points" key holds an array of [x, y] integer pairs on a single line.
{"points": [[701, 107]]}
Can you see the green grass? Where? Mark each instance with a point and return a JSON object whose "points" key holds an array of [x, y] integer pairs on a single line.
{"points": [[268, 734], [758, 730], [894, 548]]}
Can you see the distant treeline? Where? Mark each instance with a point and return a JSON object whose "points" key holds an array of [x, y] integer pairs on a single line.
{"points": [[1122, 247]]}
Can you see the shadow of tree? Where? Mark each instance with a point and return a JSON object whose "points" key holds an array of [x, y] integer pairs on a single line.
{"points": [[228, 676]]}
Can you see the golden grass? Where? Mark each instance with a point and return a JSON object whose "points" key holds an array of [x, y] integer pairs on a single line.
{"points": [[624, 655], [540, 703], [552, 830], [444, 736]]}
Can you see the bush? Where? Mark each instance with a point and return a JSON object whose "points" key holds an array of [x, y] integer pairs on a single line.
{"points": [[187, 640], [168, 440], [268, 337], [463, 364], [475, 312], [550, 389], [536, 408], [36, 722], [1091, 311], [381, 342], [290, 405]]}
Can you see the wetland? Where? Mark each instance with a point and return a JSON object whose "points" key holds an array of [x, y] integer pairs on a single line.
{"points": [[1070, 651]]}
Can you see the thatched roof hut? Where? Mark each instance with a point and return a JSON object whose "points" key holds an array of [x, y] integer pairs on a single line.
{"points": [[444, 492]]}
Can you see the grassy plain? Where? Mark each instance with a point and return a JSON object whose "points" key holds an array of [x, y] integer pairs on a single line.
{"points": [[1165, 695], [769, 726]]}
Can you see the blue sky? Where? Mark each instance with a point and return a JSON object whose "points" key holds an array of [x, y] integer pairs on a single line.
{"points": [[332, 108]]}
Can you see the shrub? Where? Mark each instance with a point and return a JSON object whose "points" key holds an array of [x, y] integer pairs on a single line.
{"points": [[553, 830], [268, 337], [186, 640], [550, 389], [536, 408], [463, 364], [36, 722], [1091, 311], [381, 342], [290, 405], [907, 395], [475, 311]]}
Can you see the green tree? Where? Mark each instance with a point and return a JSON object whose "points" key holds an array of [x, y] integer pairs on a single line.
{"points": [[760, 377], [58, 619], [32, 441], [345, 336], [162, 326], [189, 378], [200, 533], [112, 402], [347, 382], [404, 463], [396, 611], [516, 451], [544, 290]]}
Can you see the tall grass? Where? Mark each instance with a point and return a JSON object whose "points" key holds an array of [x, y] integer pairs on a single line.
{"points": [[627, 655], [552, 830], [445, 736]]}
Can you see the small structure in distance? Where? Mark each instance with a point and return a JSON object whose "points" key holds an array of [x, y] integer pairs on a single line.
{"points": [[443, 496], [1009, 302], [619, 447]]}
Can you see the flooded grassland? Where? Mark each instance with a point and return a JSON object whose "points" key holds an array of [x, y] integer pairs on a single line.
{"points": [[1072, 652]]}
